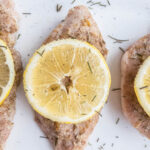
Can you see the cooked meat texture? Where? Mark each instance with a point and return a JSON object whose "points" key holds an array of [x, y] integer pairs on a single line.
{"points": [[78, 24], [8, 29], [130, 63]]}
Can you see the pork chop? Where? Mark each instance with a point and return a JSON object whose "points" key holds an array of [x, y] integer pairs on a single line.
{"points": [[8, 29], [130, 63], [80, 25]]}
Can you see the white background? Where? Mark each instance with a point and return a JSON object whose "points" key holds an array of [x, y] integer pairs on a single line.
{"points": [[123, 19]]}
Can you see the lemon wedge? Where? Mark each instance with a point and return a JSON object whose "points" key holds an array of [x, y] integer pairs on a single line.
{"points": [[142, 85], [7, 71], [67, 81]]}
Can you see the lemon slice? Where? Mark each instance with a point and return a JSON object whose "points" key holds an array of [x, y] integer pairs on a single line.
{"points": [[7, 71], [67, 81], [142, 85]]}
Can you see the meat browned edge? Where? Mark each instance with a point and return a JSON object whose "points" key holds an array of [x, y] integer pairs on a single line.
{"points": [[78, 24], [130, 63], [8, 29]]}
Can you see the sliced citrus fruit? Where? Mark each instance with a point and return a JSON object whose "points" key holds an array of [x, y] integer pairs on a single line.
{"points": [[67, 81], [7, 71], [142, 85]]}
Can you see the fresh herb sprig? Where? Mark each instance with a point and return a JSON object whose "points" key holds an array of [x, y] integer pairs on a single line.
{"points": [[117, 40]]}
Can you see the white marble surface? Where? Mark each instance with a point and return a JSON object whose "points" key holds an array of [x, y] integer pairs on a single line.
{"points": [[123, 19]]}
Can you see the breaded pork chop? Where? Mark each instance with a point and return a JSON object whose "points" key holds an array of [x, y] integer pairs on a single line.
{"points": [[78, 24], [130, 63], [8, 29]]}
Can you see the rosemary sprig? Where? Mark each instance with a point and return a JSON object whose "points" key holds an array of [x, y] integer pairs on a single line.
{"points": [[97, 3], [89, 144], [1, 46], [99, 113], [18, 36], [117, 40], [44, 137], [83, 114], [108, 2], [93, 98], [117, 121], [89, 67], [73, 1], [41, 54], [116, 89], [26, 13], [58, 7], [121, 49], [90, 1], [143, 87]]}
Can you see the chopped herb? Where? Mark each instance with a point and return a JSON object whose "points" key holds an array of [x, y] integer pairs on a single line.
{"points": [[58, 7], [112, 144], [116, 89], [97, 3], [139, 55], [100, 147], [97, 140], [89, 67], [122, 49], [116, 137], [26, 13], [56, 140], [1, 46], [90, 7], [83, 114], [117, 121], [28, 54], [145, 145], [44, 137], [108, 2], [90, 1], [18, 36], [73, 1], [41, 54], [99, 113], [143, 87], [117, 40], [93, 98], [26, 90], [89, 144]]}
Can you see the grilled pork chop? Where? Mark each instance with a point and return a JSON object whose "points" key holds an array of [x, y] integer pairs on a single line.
{"points": [[80, 25], [8, 29], [130, 63]]}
